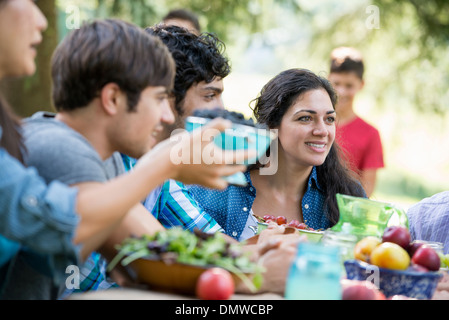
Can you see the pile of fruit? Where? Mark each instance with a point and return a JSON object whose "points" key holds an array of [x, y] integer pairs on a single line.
{"points": [[396, 251], [281, 220]]}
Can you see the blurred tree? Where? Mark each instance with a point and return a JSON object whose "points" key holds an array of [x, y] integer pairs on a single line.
{"points": [[417, 34], [423, 75], [406, 52], [220, 17]]}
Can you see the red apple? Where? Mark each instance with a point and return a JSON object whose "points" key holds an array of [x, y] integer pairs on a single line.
{"points": [[427, 257], [215, 284], [397, 234], [281, 220]]}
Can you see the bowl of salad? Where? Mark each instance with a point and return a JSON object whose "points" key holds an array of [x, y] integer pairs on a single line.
{"points": [[172, 260]]}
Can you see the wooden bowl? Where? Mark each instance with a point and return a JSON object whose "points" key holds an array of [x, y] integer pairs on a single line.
{"points": [[170, 277]]}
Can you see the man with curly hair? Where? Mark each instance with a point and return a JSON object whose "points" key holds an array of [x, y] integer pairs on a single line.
{"points": [[200, 69]]}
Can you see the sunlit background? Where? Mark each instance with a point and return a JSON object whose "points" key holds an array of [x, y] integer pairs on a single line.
{"points": [[405, 46]]}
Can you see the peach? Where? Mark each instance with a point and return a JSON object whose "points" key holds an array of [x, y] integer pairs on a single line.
{"points": [[363, 248], [391, 256]]}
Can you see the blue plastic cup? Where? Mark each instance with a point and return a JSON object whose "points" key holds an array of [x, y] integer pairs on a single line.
{"points": [[238, 137]]}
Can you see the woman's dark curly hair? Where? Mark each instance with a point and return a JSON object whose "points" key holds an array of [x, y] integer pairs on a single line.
{"points": [[197, 58]]}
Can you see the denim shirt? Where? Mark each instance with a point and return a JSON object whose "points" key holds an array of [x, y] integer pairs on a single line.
{"points": [[232, 206], [39, 216]]}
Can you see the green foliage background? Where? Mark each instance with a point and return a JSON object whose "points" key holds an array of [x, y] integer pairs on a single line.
{"points": [[407, 65]]}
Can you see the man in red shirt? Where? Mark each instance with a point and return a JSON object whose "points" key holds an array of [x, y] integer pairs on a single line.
{"points": [[359, 140]]}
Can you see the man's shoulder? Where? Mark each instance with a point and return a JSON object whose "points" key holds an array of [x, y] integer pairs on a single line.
{"points": [[41, 119], [42, 130], [437, 199], [437, 203], [59, 152]]}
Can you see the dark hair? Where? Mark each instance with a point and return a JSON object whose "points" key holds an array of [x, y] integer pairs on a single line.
{"points": [[11, 137], [345, 59], [198, 58], [276, 97], [183, 14], [108, 51]]}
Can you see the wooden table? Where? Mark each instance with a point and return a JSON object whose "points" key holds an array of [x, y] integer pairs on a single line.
{"points": [[137, 294]]}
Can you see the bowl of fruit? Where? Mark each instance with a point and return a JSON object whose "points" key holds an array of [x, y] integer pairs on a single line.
{"points": [[395, 264], [173, 260], [300, 227]]}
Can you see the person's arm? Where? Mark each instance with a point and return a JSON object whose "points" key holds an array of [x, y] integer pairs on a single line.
{"points": [[372, 161], [42, 216], [176, 206], [33, 213], [275, 251], [136, 221], [368, 179], [102, 206]]}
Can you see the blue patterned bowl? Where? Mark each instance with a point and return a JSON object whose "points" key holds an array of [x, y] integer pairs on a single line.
{"points": [[413, 284]]}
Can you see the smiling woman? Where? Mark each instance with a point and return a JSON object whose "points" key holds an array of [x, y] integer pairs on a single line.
{"points": [[301, 106], [19, 20], [308, 129], [21, 25]]}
